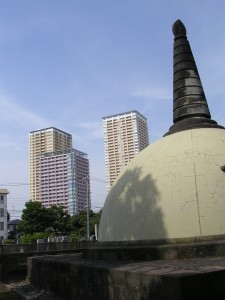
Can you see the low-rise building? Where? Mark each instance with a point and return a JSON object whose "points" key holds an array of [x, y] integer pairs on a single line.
{"points": [[12, 228], [3, 214]]}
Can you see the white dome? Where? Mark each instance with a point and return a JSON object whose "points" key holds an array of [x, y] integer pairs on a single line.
{"points": [[172, 189]]}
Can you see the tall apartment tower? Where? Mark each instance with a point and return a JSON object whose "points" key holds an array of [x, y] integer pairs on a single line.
{"points": [[42, 141], [58, 173], [125, 135], [63, 179]]}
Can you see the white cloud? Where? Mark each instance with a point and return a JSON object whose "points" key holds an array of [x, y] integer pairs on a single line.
{"points": [[7, 142], [152, 93], [14, 112], [93, 129]]}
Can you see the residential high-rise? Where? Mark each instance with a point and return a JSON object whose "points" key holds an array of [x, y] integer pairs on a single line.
{"points": [[125, 135], [42, 141], [58, 173], [62, 179]]}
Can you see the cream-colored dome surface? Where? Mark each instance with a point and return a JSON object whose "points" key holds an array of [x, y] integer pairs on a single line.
{"points": [[172, 189]]}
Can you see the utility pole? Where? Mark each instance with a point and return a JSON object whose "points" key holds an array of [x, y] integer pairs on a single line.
{"points": [[88, 225]]}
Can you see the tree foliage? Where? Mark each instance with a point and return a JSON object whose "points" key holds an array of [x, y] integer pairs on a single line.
{"points": [[8, 216], [79, 222], [59, 220], [38, 219], [35, 218]]}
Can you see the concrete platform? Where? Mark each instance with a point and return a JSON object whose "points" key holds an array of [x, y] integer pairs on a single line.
{"points": [[146, 250], [73, 277]]}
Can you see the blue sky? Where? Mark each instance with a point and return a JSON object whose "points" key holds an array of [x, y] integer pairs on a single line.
{"points": [[69, 63]]}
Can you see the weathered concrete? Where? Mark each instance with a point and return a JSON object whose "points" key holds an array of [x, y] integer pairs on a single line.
{"points": [[72, 277], [13, 258], [13, 266], [144, 250]]}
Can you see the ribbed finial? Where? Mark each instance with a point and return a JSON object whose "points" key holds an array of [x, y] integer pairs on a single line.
{"points": [[179, 29], [190, 108]]}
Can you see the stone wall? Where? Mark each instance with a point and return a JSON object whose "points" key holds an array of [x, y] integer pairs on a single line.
{"points": [[71, 277], [13, 266]]}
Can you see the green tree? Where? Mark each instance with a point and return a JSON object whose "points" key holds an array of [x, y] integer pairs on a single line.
{"points": [[35, 218], [94, 219], [79, 221], [60, 220]]}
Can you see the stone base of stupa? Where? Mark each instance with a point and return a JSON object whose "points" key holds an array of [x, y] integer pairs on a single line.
{"points": [[185, 248], [135, 273]]}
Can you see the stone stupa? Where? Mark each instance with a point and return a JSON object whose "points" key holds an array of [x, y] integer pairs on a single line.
{"points": [[162, 229], [175, 188]]}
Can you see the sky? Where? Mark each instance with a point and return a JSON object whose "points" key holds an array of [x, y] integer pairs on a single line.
{"points": [[69, 63]]}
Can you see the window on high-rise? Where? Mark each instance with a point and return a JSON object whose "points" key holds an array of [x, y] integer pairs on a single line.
{"points": [[1, 225]]}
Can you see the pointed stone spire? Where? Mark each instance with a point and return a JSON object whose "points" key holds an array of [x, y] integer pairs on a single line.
{"points": [[190, 108]]}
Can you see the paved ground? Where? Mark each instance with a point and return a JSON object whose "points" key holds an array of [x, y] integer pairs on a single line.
{"points": [[6, 294], [24, 290]]}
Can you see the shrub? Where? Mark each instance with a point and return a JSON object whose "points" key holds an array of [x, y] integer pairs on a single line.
{"points": [[33, 237], [75, 236], [9, 242]]}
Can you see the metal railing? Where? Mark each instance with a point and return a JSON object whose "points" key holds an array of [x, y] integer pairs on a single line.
{"points": [[48, 246]]}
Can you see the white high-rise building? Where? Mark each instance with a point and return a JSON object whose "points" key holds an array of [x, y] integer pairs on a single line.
{"points": [[125, 135]]}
